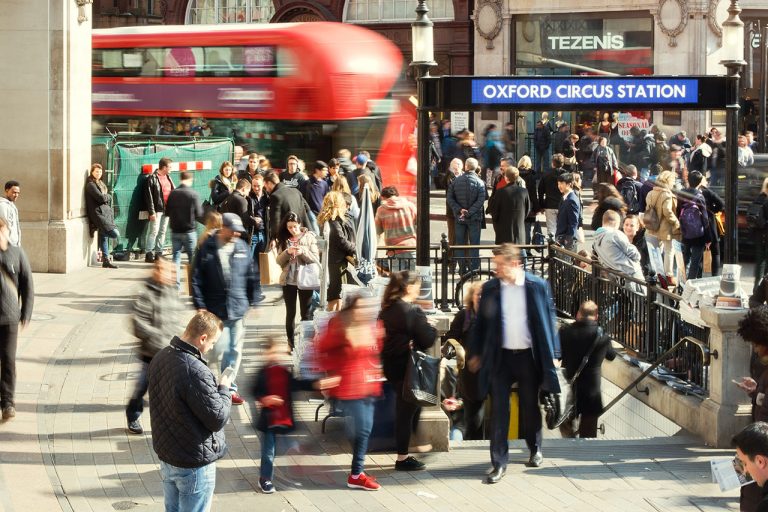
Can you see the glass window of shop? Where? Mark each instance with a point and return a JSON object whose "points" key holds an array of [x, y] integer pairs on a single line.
{"points": [[590, 44]]}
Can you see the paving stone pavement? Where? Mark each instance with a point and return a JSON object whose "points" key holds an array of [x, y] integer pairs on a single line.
{"points": [[68, 448]]}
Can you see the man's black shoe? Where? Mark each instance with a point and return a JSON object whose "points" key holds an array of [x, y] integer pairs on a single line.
{"points": [[149, 258], [496, 475], [536, 459], [409, 464]]}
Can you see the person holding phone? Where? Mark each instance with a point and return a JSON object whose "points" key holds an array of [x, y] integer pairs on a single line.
{"points": [[189, 412]]}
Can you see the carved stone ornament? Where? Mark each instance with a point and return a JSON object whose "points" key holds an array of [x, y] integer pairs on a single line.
{"points": [[488, 20], [81, 17], [714, 26], [669, 13]]}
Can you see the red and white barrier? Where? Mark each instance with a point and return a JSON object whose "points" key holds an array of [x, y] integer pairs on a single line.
{"points": [[198, 165]]}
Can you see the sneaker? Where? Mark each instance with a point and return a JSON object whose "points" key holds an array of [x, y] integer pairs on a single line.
{"points": [[257, 297], [149, 258], [363, 481], [409, 464], [237, 399], [9, 412], [267, 487], [134, 427]]}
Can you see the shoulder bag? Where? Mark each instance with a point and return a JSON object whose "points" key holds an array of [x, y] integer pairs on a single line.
{"points": [[421, 376], [567, 421], [651, 217], [308, 277]]}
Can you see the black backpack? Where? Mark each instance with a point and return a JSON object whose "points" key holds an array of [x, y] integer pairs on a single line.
{"points": [[603, 162], [756, 214], [629, 192]]}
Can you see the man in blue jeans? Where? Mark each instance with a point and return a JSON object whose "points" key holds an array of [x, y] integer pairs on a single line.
{"points": [[466, 197], [184, 209], [260, 203], [189, 415], [222, 282]]}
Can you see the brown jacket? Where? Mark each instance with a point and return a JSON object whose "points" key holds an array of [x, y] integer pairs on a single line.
{"points": [[310, 254], [664, 202]]}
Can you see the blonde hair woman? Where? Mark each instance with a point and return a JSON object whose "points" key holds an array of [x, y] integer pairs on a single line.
{"points": [[664, 202], [341, 244], [525, 163], [343, 187], [365, 180]]}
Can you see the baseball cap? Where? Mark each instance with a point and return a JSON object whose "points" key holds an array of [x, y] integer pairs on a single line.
{"points": [[232, 221], [361, 159]]}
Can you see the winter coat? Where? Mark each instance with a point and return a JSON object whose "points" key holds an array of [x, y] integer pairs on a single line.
{"points": [[642, 247], [467, 192], [184, 210], [549, 193], [396, 218], [210, 289], [189, 409], [614, 251], [219, 190], [153, 194], [665, 204], [16, 301], [576, 340], [341, 242], [403, 323], [533, 194], [156, 317], [282, 200], [98, 205], [261, 389], [509, 207], [310, 254]]}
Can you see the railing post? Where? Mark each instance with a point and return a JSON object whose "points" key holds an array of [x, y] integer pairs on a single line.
{"points": [[444, 262], [652, 325]]}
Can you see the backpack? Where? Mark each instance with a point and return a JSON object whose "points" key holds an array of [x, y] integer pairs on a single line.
{"points": [[691, 219], [756, 215], [629, 192], [603, 162], [651, 218]]}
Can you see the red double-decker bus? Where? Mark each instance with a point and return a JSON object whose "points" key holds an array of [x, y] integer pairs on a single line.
{"points": [[277, 89]]}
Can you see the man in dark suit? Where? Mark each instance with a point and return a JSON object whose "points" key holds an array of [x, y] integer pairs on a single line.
{"points": [[568, 214], [508, 207], [514, 340]]}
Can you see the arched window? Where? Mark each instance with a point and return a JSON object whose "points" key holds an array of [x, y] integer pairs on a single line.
{"points": [[381, 11], [229, 11]]}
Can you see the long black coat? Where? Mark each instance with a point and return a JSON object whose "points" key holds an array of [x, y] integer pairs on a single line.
{"points": [[283, 200], [508, 207], [403, 323], [98, 205], [575, 341]]}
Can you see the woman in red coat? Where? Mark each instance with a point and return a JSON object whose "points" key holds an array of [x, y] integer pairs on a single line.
{"points": [[349, 350]]}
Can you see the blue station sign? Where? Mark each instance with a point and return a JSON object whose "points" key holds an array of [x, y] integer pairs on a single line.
{"points": [[506, 93], [553, 91]]}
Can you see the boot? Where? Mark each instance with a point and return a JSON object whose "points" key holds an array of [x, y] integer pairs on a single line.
{"points": [[108, 264]]}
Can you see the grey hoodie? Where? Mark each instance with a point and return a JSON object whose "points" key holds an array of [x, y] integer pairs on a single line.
{"points": [[10, 213]]}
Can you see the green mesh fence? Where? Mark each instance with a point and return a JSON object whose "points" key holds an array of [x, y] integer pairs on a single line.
{"points": [[127, 180]]}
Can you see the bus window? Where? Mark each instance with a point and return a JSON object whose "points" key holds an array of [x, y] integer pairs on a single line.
{"points": [[218, 61], [286, 62], [152, 57], [180, 61], [259, 60]]}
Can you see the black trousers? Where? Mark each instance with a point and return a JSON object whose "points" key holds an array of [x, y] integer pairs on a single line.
{"points": [[514, 367], [407, 417], [290, 293], [8, 340]]}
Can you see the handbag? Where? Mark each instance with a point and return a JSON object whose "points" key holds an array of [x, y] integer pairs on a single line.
{"points": [[308, 277], [568, 414], [707, 261], [719, 224], [421, 376]]}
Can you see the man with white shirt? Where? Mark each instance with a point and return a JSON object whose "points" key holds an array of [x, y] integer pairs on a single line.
{"points": [[514, 340]]}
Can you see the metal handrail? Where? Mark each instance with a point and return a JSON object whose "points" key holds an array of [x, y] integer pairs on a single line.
{"points": [[688, 339]]}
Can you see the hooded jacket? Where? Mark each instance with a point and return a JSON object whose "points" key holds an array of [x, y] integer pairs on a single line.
{"points": [[614, 251]]}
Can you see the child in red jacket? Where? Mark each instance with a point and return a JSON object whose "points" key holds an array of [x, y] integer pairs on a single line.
{"points": [[273, 389]]}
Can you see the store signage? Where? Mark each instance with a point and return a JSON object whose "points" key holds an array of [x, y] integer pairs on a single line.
{"points": [[607, 42], [617, 91], [627, 121]]}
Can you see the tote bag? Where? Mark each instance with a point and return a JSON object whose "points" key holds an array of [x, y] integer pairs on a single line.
{"points": [[308, 277], [421, 376]]}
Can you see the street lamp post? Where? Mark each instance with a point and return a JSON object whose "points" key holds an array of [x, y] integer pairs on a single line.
{"points": [[423, 59], [733, 60]]}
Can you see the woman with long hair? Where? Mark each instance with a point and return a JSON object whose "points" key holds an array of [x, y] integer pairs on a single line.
{"points": [[607, 198], [296, 246], [349, 348], [365, 181], [664, 202], [223, 184], [405, 327], [341, 244], [101, 217], [343, 187], [634, 228]]}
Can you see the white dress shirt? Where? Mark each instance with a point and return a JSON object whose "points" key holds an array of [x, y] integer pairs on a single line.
{"points": [[514, 315]]}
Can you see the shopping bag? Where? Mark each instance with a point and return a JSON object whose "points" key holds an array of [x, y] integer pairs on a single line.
{"points": [[268, 268], [707, 261], [421, 375]]}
